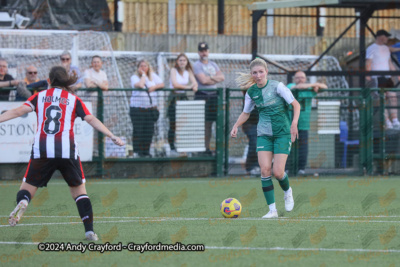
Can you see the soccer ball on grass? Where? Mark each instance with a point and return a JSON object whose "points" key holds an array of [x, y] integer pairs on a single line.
{"points": [[231, 208]]}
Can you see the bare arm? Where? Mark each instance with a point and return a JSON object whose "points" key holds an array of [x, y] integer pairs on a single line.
{"points": [[392, 67], [394, 49], [193, 81], [302, 86], [219, 77], [204, 79], [368, 67], [104, 86], [296, 114], [9, 83], [89, 83], [99, 126], [15, 113], [309, 85], [175, 84], [242, 119], [142, 82], [156, 87]]}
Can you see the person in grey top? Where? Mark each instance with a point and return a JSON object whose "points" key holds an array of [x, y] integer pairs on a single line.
{"points": [[207, 74]]}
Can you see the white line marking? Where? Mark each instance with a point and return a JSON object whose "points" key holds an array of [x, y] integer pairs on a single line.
{"points": [[309, 249], [212, 181], [259, 248], [17, 243], [183, 218], [152, 219]]}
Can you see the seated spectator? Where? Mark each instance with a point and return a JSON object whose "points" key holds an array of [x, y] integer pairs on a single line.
{"points": [[71, 69], [143, 111], [6, 80], [182, 77], [95, 77]]}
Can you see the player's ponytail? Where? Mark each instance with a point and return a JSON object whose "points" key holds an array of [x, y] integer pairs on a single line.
{"points": [[245, 80], [60, 78]]}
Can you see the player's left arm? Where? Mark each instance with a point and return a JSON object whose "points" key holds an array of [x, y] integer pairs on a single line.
{"points": [[99, 126], [15, 113]]}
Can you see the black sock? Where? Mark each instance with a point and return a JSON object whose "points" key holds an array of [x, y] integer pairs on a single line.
{"points": [[23, 194], [85, 211]]}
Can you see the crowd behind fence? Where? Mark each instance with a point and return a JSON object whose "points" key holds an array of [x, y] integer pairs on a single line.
{"points": [[347, 133]]}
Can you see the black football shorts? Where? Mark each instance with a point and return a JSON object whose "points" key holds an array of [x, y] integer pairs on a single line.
{"points": [[40, 171]]}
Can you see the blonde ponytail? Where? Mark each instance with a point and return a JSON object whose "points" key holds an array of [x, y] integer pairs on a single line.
{"points": [[245, 80]]}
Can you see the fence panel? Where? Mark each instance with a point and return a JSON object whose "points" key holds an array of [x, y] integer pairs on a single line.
{"points": [[334, 139]]}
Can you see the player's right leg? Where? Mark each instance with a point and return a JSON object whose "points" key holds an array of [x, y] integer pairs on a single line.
{"points": [[264, 147], [24, 196], [38, 174]]}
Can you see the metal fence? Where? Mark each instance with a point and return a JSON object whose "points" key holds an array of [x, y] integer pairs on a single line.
{"points": [[347, 135], [347, 132], [166, 126]]}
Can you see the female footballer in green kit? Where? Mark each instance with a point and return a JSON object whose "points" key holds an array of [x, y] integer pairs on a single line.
{"points": [[275, 133]]}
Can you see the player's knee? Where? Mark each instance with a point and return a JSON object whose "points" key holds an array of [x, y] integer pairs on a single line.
{"points": [[265, 171], [279, 174]]}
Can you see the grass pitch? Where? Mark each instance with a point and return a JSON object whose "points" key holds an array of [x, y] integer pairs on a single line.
{"points": [[337, 221]]}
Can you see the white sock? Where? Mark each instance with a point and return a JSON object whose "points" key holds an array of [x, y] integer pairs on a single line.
{"points": [[272, 207]]}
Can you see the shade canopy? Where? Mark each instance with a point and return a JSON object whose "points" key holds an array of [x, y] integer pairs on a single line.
{"points": [[376, 4]]}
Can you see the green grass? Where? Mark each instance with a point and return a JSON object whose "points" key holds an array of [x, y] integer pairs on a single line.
{"points": [[131, 211]]}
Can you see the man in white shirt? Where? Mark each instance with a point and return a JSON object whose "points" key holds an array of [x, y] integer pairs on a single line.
{"points": [[378, 59], [95, 77]]}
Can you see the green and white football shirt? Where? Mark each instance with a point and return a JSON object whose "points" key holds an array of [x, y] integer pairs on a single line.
{"points": [[272, 103]]}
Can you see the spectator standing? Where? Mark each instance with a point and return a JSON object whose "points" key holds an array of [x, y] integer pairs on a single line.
{"points": [[95, 76], [378, 59], [306, 93], [6, 80], [143, 111], [71, 69], [181, 78], [207, 74]]}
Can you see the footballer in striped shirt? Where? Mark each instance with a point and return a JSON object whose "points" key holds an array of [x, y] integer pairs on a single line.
{"points": [[54, 147]]}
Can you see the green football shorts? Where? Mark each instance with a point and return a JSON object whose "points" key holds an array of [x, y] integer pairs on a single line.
{"points": [[277, 145]]}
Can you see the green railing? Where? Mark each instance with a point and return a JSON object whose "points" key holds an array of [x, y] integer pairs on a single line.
{"points": [[371, 133]]}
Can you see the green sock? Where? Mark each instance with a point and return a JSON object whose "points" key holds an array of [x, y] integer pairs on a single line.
{"points": [[268, 189], [284, 183]]}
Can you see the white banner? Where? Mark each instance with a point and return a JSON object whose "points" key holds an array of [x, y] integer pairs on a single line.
{"points": [[17, 136]]}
